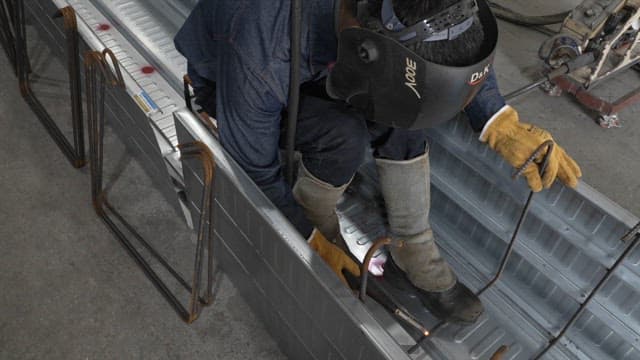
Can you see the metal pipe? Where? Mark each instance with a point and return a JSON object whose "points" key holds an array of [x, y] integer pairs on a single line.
{"points": [[525, 89]]}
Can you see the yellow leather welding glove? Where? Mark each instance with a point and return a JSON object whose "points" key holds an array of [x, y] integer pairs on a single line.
{"points": [[517, 141], [337, 259]]}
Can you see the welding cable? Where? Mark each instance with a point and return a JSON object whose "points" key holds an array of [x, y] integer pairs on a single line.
{"points": [[294, 85], [506, 14]]}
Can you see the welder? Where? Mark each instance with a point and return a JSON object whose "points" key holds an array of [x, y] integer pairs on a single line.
{"points": [[374, 75]]}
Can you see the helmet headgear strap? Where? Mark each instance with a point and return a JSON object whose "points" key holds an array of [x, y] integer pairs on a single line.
{"points": [[447, 24]]}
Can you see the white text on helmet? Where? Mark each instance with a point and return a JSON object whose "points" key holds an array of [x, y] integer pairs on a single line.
{"points": [[410, 76], [477, 77]]}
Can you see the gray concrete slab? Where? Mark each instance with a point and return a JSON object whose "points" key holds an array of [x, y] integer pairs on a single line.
{"points": [[69, 290]]}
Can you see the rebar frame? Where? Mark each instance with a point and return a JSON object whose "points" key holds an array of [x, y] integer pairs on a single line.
{"points": [[75, 152], [97, 73]]}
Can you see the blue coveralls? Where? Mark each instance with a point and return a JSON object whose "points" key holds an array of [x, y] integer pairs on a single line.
{"points": [[243, 46]]}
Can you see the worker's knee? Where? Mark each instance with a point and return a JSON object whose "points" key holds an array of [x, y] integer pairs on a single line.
{"points": [[398, 144], [338, 150], [348, 140]]}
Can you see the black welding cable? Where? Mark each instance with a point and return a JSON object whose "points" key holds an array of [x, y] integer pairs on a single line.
{"points": [[294, 85], [506, 14]]}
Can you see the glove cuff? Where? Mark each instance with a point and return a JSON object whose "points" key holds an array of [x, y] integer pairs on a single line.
{"points": [[315, 233], [503, 115]]}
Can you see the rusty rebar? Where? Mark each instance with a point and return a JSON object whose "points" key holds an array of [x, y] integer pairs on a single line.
{"points": [[97, 75], [75, 152], [547, 146], [594, 291], [500, 353], [364, 267]]}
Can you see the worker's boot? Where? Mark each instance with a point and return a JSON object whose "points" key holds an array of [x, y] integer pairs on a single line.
{"points": [[405, 186], [319, 199]]}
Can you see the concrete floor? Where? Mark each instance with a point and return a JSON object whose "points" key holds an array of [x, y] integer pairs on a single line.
{"points": [[69, 291]]}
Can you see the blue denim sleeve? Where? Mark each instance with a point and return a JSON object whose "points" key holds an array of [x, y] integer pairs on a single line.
{"points": [[487, 102], [249, 117], [196, 40]]}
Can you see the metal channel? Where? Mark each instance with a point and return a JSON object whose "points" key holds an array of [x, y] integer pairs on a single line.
{"points": [[310, 312]]}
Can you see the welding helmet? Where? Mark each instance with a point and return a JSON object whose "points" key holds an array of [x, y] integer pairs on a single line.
{"points": [[394, 86]]}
